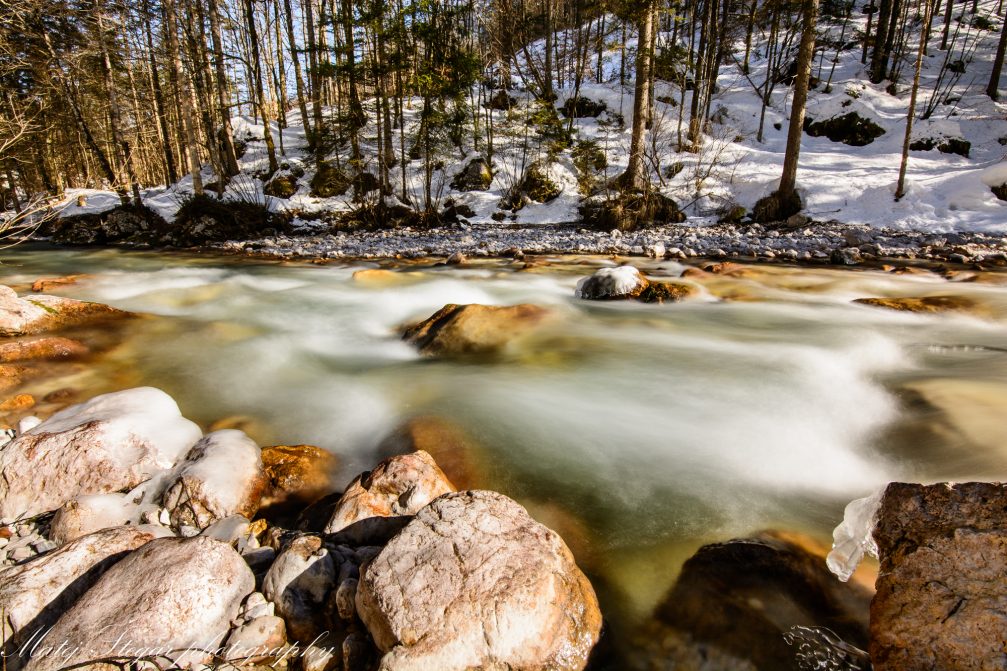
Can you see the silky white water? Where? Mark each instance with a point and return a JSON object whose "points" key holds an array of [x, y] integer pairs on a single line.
{"points": [[642, 430]]}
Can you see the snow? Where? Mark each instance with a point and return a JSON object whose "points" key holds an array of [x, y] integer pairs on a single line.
{"points": [[143, 414], [854, 536], [854, 185], [609, 282]]}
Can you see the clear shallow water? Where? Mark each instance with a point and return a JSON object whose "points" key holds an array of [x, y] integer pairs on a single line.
{"points": [[639, 432]]}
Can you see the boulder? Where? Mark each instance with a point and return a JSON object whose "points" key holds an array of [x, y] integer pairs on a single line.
{"points": [[742, 596], [46, 348], [398, 486], [110, 443], [924, 304], [450, 446], [941, 600], [628, 211], [87, 514], [501, 100], [296, 475], [329, 181], [612, 284], [281, 186], [537, 185], [221, 475], [48, 283], [475, 176], [33, 595], [581, 107], [39, 314], [777, 207], [474, 582], [849, 128], [667, 292], [172, 594], [474, 329], [299, 582], [257, 641]]}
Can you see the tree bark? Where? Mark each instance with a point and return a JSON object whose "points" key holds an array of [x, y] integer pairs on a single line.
{"points": [[229, 157], [258, 93], [788, 180], [900, 188], [635, 177], [185, 96], [998, 63]]}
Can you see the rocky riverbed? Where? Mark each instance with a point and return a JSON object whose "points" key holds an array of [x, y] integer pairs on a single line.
{"points": [[260, 557]]}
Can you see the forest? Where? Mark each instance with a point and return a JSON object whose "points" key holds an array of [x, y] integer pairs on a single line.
{"points": [[387, 99]]}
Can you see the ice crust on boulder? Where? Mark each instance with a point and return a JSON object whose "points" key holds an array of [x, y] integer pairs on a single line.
{"points": [[855, 535], [610, 282]]}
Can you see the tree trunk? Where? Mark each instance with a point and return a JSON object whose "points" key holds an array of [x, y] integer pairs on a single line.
{"points": [[635, 177], [258, 94], [298, 80], [879, 64], [171, 171], [229, 157], [788, 180], [900, 188], [115, 115], [998, 63], [185, 96]]}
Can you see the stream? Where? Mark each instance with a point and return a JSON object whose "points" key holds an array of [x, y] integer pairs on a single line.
{"points": [[639, 432]]}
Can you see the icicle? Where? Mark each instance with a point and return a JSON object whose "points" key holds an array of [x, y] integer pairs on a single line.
{"points": [[854, 536]]}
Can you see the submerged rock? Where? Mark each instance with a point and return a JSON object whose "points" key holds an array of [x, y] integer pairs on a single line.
{"points": [[221, 476], [39, 314], [35, 594], [627, 282], [398, 486], [174, 595], [743, 595], [474, 329], [474, 582], [296, 475], [925, 304], [941, 599], [47, 348], [110, 443]]}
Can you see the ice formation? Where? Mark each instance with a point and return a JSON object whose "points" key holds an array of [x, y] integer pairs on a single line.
{"points": [[855, 535]]}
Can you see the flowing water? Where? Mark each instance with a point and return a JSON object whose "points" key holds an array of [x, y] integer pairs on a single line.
{"points": [[638, 431]]}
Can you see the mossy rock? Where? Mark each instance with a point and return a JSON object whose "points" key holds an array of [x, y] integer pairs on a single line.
{"points": [[202, 219], [590, 161], [732, 215], [501, 100], [666, 292], [628, 211], [924, 304], [329, 181], [1000, 191], [776, 207], [281, 186], [364, 183], [475, 176], [951, 145], [538, 185], [581, 108], [850, 128]]}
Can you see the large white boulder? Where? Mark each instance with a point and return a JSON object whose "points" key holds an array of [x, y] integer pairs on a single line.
{"points": [[474, 582], [399, 485], [110, 443], [221, 475], [173, 595], [34, 594]]}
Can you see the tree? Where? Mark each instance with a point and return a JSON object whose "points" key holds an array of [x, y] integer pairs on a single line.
{"points": [[635, 178], [900, 188], [998, 63]]}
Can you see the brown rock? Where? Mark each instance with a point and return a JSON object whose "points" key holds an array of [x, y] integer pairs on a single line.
{"points": [[942, 599], [666, 292], [924, 304], [11, 376], [61, 395], [473, 329], [49, 283], [41, 349], [378, 277], [474, 583], [694, 273], [297, 474], [743, 595], [398, 486], [17, 403], [39, 314], [451, 447]]}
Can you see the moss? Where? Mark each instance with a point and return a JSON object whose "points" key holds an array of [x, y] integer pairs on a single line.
{"points": [[43, 306], [850, 128]]}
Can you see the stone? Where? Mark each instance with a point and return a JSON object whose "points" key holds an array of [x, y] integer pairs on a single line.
{"points": [[171, 594], [924, 304], [299, 582], [457, 330], [17, 403], [221, 475], [628, 211], [34, 595], [474, 582], [941, 600], [475, 176], [501, 100], [297, 475], [581, 107], [454, 451], [47, 348], [849, 128], [845, 256], [667, 292], [87, 514], [329, 181], [612, 284], [742, 596], [257, 641], [398, 486], [39, 314], [281, 186], [110, 443], [48, 283]]}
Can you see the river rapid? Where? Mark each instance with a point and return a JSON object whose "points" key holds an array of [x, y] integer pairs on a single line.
{"points": [[639, 432]]}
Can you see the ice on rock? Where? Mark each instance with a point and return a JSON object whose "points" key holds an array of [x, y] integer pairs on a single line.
{"points": [[610, 282], [855, 535]]}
